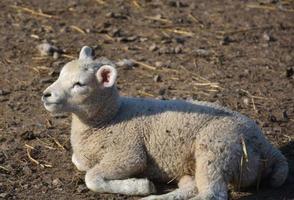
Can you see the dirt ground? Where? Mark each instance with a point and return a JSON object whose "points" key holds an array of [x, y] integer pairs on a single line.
{"points": [[237, 53]]}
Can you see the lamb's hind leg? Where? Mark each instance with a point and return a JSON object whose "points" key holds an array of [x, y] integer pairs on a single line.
{"points": [[186, 190], [209, 179]]}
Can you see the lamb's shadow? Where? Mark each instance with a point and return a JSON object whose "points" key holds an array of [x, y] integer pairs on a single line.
{"points": [[134, 108], [284, 192]]}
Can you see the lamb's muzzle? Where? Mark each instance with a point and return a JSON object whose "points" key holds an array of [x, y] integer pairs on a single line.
{"points": [[123, 143]]}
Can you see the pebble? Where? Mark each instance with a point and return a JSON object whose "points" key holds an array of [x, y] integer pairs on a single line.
{"points": [[56, 55], [47, 49], [180, 40], [4, 92], [268, 37], [2, 158], [272, 118], [115, 32], [126, 63], [143, 39], [164, 50], [285, 115], [289, 72], [127, 39], [82, 189], [246, 101], [202, 52], [26, 170], [56, 182], [28, 135], [157, 78], [3, 195], [227, 40], [110, 14], [153, 47], [158, 64], [178, 49]]}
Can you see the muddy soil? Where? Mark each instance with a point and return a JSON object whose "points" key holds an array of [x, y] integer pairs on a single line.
{"points": [[237, 53]]}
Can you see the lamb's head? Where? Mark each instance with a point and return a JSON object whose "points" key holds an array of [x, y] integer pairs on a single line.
{"points": [[81, 85]]}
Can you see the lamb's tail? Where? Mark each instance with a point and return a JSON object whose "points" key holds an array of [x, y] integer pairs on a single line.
{"points": [[279, 168]]}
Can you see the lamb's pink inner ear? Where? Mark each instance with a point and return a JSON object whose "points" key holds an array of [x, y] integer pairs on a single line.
{"points": [[105, 74]]}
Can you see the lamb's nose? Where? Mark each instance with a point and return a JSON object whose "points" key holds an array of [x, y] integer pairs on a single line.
{"points": [[46, 95]]}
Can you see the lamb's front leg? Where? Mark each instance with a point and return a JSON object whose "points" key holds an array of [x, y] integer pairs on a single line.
{"points": [[112, 174], [131, 186]]}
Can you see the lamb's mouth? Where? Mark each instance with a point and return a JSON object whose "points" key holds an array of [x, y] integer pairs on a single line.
{"points": [[51, 103], [53, 106]]}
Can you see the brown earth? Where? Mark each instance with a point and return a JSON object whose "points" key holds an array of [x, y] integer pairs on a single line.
{"points": [[238, 53]]}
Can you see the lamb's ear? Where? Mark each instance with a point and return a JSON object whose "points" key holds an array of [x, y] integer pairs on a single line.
{"points": [[86, 53], [106, 75]]}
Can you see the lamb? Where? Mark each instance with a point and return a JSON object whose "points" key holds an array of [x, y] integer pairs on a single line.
{"points": [[125, 143]]}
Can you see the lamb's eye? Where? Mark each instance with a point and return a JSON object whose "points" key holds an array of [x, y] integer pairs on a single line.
{"points": [[78, 84], [79, 87]]}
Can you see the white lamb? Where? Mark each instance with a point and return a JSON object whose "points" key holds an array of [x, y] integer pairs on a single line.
{"points": [[123, 143]]}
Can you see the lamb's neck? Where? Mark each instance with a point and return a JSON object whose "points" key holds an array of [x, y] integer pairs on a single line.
{"points": [[98, 114]]}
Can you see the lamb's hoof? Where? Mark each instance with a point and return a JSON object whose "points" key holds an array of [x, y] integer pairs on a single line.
{"points": [[145, 187], [151, 197], [152, 188]]}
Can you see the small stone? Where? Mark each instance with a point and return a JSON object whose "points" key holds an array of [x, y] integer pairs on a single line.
{"points": [[289, 72], [178, 49], [4, 92], [246, 101], [176, 3], [28, 135], [158, 64], [153, 47], [285, 116], [202, 52], [143, 39], [56, 182], [3, 195], [180, 40], [56, 55], [82, 189], [115, 32], [26, 170], [164, 50], [246, 71], [126, 63], [110, 14], [266, 37], [157, 78], [132, 38], [127, 39], [47, 49], [272, 118], [227, 40], [2, 158]]}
